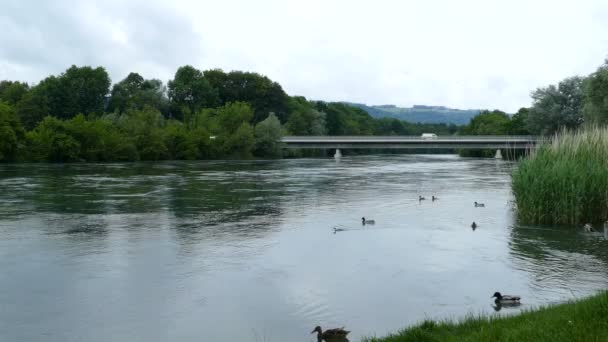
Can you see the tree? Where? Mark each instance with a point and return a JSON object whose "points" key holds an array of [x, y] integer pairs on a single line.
{"points": [[517, 125], [135, 93], [343, 119], [50, 141], [189, 91], [240, 143], [557, 107], [82, 90], [305, 119], [262, 94], [268, 134], [145, 127], [596, 96], [181, 143], [11, 92], [40, 102], [12, 135], [487, 122], [233, 135]]}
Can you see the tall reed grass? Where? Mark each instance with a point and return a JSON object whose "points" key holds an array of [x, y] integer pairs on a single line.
{"points": [[565, 181]]}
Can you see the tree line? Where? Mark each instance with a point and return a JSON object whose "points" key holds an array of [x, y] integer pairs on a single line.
{"points": [[80, 116], [569, 104]]}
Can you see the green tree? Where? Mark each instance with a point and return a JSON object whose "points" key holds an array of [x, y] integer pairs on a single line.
{"points": [[596, 96], [145, 127], [517, 125], [487, 122], [181, 143], [557, 107], [343, 119], [305, 119], [12, 135], [51, 141], [262, 94], [135, 93], [82, 90], [240, 143], [189, 91], [268, 134], [11, 92]]}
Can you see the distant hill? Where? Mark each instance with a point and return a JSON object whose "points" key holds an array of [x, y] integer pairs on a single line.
{"points": [[418, 113]]}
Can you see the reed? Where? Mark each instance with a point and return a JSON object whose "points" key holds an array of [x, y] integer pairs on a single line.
{"points": [[565, 181]]}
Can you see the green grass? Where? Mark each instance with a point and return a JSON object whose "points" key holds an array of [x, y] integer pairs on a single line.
{"points": [[565, 181], [582, 320]]}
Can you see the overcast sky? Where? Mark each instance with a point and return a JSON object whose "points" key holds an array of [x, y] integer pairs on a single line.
{"points": [[463, 54]]}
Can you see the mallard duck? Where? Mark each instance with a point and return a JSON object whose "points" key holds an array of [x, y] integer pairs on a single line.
{"points": [[479, 204], [473, 225], [330, 334], [420, 198], [433, 198], [505, 300], [588, 228], [364, 221]]}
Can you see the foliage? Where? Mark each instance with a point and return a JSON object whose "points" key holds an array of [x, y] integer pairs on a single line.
{"points": [[573, 321], [11, 92], [12, 135], [268, 134], [263, 95], [596, 100], [190, 91], [493, 122], [566, 181], [487, 123], [557, 107], [517, 124], [135, 93]]}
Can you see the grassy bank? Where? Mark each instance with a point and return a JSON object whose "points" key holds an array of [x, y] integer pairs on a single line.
{"points": [[565, 181], [583, 320]]}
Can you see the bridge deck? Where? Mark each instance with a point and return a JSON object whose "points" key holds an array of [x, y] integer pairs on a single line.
{"points": [[440, 142]]}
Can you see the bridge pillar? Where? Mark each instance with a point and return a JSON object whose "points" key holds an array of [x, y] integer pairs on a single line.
{"points": [[338, 154], [498, 154]]}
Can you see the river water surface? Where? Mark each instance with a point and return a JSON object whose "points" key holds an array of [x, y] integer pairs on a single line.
{"points": [[246, 251]]}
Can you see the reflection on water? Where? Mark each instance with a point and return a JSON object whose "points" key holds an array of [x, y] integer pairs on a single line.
{"points": [[264, 250]]}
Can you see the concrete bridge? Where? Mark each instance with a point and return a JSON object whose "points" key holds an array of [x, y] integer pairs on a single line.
{"points": [[410, 142]]}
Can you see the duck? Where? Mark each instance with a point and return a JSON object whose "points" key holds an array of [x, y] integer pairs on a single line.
{"points": [[420, 198], [338, 230], [473, 225], [364, 221], [433, 198], [505, 299], [588, 227], [330, 334], [479, 204]]}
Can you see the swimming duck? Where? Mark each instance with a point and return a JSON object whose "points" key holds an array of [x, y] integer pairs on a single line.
{"points": [[473, 225], [364, 221], [588, 228], [479, 204], [330, 334], [433, 198], [502, 300], [420, 198]]}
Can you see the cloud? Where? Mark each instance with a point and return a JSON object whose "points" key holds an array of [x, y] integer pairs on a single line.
{"points": [[466, 54]]}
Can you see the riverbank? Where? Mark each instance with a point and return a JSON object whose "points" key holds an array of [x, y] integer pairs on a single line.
{"points": [[581, 320], [565, 181]]}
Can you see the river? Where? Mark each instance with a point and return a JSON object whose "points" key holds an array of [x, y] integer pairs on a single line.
{"points": [[246, 250]]}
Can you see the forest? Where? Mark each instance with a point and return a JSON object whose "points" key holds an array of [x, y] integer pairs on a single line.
{"points": [[79, 116]]}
